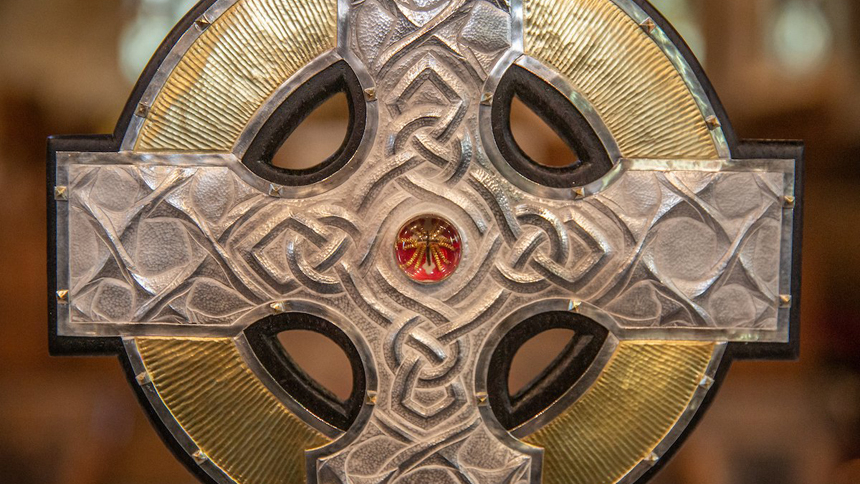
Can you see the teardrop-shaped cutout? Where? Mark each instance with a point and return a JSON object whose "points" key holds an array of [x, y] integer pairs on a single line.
{"points": [[314, 361], [332, 371], [538, 140], [541, 358], [535, 357], [314, 132], [534, 149], [317, 138]]}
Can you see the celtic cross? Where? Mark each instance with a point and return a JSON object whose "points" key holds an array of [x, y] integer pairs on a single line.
{"points": [[429, 247]]}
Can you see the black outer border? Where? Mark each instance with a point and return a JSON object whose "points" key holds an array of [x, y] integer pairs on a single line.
{"points": [[73, 346]]}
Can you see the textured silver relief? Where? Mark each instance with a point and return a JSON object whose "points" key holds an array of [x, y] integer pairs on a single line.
{"points": [[172, 244]]}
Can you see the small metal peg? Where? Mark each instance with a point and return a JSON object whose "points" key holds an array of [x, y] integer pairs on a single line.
{"points": [[202, 23], [278, 307], [482, 398], [371, 398], [487, 98], [648, 26], [143, 378], [713, 122], [63, 296], [142, 111], [61, 193], [199, 457], [370, 94], [785, 301]]}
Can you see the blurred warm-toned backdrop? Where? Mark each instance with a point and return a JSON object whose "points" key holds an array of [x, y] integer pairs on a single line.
{"points": [[784, 69]]}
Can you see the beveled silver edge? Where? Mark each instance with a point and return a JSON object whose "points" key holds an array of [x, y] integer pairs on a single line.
{"points": [[309, 307], [491, 149], [517, 26], [156, 83], [482, 363], [66, 158], [283, 92], [62, 234], [296, 408], [371, 380], [167, 419], [683, 68], [682, 423], [341, 439], [135, 329], [562, 85], [573, 394], [763, 165], [535, 453], [786, 254]]}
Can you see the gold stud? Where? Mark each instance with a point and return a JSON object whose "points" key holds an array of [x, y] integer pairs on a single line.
{"points": [[648, 26], [143, 378], [200, 457], [578, 193], [706, 382], [482, 398], [370, 398], [275, 191], [785, 301], [279, 307], [202, 23], [142, 111], [574, 306], [63, 296], [713, 122], [370, 94], [61, 193], [487, 98], [789, 201], [652, 458]]}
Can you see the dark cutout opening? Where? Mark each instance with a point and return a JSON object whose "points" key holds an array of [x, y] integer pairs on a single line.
{"points": [[263, 156], [321, 359], [537, 139], [534, 357], [317, 138], [590, 158], [306, 383], [513, 409]]}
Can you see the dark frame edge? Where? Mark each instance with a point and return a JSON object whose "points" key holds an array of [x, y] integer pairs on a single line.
{"points": [[160, 427], [106, 346], [790, 350], [740, 149], [98, 346]]}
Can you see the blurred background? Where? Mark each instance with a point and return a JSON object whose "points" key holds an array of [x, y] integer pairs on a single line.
{"points": [[786, 69]]}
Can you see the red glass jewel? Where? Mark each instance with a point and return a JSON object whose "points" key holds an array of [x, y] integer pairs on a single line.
{"points": [[428, 249]]}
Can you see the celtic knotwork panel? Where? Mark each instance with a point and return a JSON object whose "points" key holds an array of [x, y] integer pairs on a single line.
{"points": [[199, 246], [193, 244]]}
